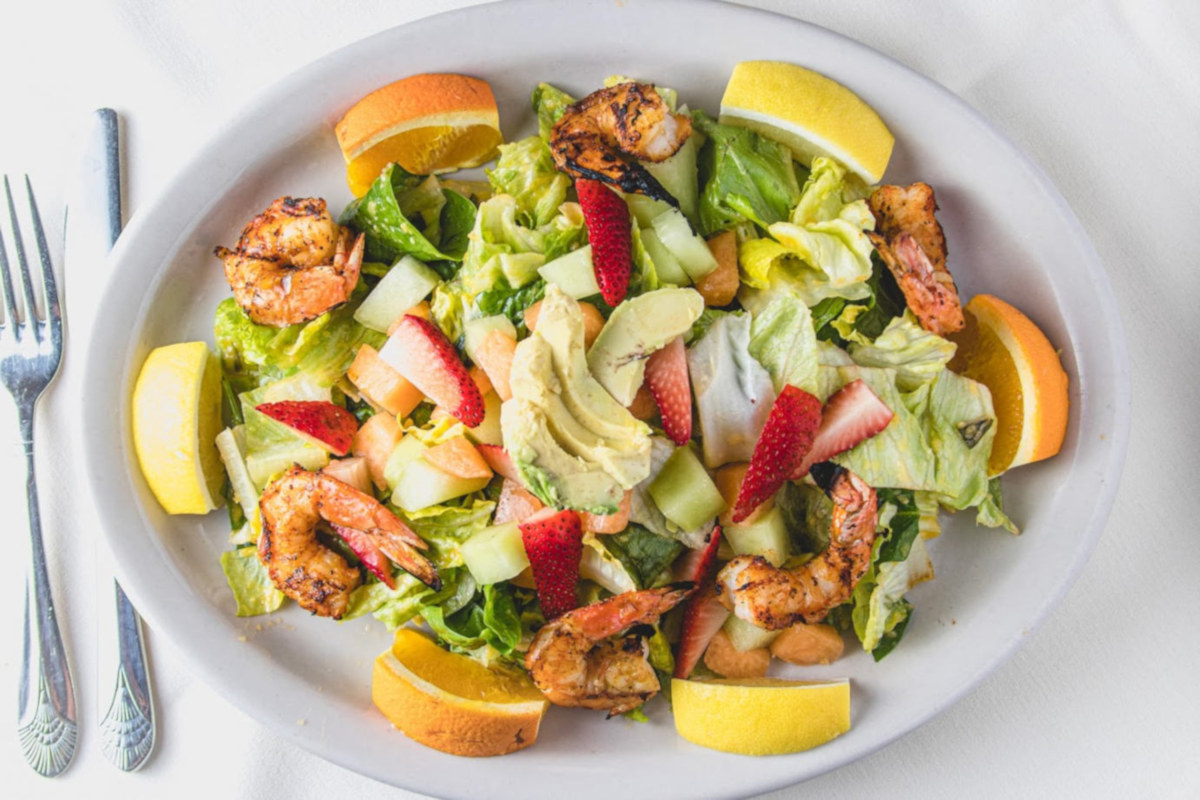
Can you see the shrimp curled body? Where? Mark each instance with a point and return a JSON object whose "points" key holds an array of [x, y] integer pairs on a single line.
{"points": [[575, 663], [305, 569], [775, 598], [599, 136], [292, 263]]}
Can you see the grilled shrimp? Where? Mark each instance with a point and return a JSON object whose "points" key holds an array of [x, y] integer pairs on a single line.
{"points": [[292, 263], [911, 243], [316, 577], [575, 663], [599, 136], [775, 598]]}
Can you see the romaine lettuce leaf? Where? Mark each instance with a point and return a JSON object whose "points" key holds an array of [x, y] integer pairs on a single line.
{"points": [[961, 427], [445, 528], [745, 177], [390, 234], [252, 588], [783, 340], [645, 555], [990, 513], [549, 104], [502, 248], [526, 171], [917, 355]]}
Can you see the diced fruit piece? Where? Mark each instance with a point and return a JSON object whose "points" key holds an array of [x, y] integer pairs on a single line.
{"points": [[451, 702], [474, 330], [607, 220], [593, 322], [665, 264], [382, 386], [265, 465], [516, 504], [495, 355], [667, 377], [488, 431], [766, 536], [684, 492], [324, 424], [722, 658], [720, 286], [689, 249], [808, 644], [608, 523], [729, 482], [499, 460], [352, 471], [495, 554], [231, 444], [368, 552], [764, 716], [678, 175], [786, 439], [643, 405], [176, 419], [459, 458], [554, 545], [573, 273], [637, 328], [421, 310], [375, 441], [420, 352], [407, 450], [852, 414], [422, 485], [703, 614], [407, 283], [481, 379], [745, 636]]}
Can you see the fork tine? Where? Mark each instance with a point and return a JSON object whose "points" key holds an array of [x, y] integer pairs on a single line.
{"points": [[22, 262], [10, 299], [49, 285]]}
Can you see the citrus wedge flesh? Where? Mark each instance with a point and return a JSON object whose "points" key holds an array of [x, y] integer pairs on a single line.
{"points": [[760, 716], [428, 123], [452, 703], [1003, 349], [176, 419], [810, 113]]}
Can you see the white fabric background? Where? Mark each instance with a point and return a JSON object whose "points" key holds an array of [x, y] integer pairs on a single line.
{"points": [[1103, 700]]}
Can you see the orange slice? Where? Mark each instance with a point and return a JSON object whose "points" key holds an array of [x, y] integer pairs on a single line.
{"points": [[452, 703], [1004, 350], [429, 123]]}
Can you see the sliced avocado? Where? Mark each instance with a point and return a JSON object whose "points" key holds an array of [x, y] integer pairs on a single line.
{"points": [[636, 329]]}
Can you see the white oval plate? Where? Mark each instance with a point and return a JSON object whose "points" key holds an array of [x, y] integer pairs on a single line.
{"points": [[1010, 233]]}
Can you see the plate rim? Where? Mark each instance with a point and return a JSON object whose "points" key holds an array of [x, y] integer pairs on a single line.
{"points": [[261, 710]]}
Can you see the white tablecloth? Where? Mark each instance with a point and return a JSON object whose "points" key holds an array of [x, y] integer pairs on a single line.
{"points": [[1102, 701]]}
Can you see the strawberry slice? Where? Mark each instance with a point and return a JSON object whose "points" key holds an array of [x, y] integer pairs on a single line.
{"points": [[851, 414], [322, 423], [554, 544], [607, 220], [420, 352], [703, 615], [786, 439], [368, 552], [499, 460], [667, 377]]}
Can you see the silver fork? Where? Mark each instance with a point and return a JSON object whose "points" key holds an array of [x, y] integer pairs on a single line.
{"points": [[30, 353]]}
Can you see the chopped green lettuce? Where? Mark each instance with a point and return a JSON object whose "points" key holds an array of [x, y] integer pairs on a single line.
{"points": [[252, 588], [745, 177], [645, 555], [783, 340], [961, 425], [510, 302], [549, 104], [501, 248], [491, 618], [446, 527], [899, 456], [525, 170], [917, 355], [990, 513]]}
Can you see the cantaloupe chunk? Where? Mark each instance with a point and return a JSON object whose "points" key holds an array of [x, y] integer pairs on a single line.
{"points": [[375, 440], [495, 356], [382, 385], [459, 458]]}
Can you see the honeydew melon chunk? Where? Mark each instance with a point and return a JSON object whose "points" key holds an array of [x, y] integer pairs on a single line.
{"points": [[476, 330], [231, 445], [405, 284], [574, 273], [266, 464], [668, 267], [488, 431], [767, 536], [495, 554], [690, 249], [678, 176], [407, 450], [746, 635], [684, 492], [422, 485]]}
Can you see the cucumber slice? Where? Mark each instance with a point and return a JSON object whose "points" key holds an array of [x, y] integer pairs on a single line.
{"points": [[574, 273], [475, 330], [668, 267], [405, 284], [691, 250], [495, 554], [767, 536], [747, 636], [684, 492]]}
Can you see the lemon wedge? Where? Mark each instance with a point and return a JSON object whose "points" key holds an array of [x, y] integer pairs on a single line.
{"points": [[811, 114], [176, 419], [760, 716]]}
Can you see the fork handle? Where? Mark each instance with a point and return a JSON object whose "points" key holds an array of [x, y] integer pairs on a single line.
{"points": [[127, 729], [46, 724]]}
